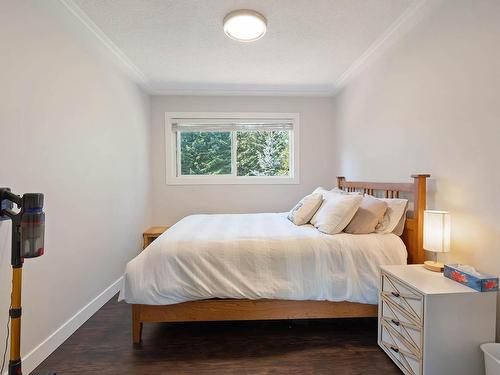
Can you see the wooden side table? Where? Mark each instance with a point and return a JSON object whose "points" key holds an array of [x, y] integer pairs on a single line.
{"points": [[152, 234]]}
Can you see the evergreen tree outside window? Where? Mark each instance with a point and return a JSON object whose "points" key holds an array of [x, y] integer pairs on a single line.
{"points": [[205, 153], [234, 150], [263, 153]]}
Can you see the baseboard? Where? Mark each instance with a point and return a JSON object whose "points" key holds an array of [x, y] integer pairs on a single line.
{"points": [[51, 343]]}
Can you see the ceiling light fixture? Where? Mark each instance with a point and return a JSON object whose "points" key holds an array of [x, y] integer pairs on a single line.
{"points": [[245, 25]]}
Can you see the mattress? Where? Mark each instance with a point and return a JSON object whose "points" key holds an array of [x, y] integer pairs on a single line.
{"points": [[255, 256]]}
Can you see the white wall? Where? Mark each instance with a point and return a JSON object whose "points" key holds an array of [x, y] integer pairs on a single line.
{"points": [[431, 104], [171, 202], [74, 128]]}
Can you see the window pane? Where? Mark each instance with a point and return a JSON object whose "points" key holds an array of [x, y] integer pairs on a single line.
{"points": [[263, 153], [205, 153]]}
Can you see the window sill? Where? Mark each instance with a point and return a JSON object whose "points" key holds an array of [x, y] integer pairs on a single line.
{"points": [[213, 180]]}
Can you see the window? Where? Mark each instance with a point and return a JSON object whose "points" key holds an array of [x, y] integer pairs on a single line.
{"points": [[231, 148]]}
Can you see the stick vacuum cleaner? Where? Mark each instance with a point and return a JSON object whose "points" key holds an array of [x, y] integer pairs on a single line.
{"points": [[28, 230]]}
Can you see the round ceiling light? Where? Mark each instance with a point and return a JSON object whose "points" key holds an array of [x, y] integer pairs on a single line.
{"points": [[245, 25]]}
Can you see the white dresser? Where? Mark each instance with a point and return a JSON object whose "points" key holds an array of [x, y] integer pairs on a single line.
{"points": [[431, 325]]}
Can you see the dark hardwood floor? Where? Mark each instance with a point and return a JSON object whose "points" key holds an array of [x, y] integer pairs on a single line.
{"points": [[103, 346]]}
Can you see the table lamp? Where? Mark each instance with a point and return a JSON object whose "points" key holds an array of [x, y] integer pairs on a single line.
{"points": [[436, 236]]}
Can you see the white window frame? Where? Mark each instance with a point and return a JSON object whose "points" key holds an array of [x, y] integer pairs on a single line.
{"points": [[172, 160]]}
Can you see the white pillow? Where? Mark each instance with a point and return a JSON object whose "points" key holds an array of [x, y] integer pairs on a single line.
{"points": [[305, 209], [321, 190], [340, 191], [396, 208], [335, 190], [398, 231], [336, 212]]}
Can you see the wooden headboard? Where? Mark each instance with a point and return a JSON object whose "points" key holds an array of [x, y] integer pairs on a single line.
{"points": [[415, 192]]}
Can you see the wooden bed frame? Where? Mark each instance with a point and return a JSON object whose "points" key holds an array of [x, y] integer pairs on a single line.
{"points": [[265, 309]]}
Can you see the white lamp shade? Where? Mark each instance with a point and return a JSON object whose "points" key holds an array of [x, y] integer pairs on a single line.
{"points": [[437, 231]]}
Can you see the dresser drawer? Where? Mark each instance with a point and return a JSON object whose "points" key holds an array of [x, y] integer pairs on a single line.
{"points": [[409, 301], [395, 317], [406, 356]]}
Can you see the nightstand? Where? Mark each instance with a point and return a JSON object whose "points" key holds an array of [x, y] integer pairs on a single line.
{"points": [[152, 234], [430, 325]]}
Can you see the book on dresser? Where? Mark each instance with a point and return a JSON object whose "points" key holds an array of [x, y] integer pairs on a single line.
{"points": [[431, 325]]}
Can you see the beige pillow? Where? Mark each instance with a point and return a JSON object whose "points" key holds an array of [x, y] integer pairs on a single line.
{"points": [[335, 212], [304, 210], [368, 215]]}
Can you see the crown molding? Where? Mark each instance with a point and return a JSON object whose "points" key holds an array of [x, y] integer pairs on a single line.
{"points": [[117, 54], [397, 29], [243, 90], [394, 33]]}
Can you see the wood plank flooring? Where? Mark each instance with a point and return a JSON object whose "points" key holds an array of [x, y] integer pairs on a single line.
{"points": [[103, 346]]}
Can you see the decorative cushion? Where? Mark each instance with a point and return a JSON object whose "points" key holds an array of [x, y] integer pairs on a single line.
{"points": [[304, 210], [335, 212], [369, 214]]}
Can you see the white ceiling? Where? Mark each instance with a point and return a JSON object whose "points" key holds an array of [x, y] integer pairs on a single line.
{"points": [[178, 46]]}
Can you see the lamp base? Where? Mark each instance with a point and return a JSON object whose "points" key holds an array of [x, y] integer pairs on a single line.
{"points": [[433, 266]]}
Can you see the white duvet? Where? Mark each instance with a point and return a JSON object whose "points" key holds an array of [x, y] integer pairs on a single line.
{"points": [[257, 256]]}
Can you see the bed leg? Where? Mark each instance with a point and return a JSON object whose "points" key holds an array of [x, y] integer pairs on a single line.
{"points": [[136, 324]]}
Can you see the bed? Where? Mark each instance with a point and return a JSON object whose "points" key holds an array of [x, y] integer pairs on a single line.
{"points": [[262, 266]]}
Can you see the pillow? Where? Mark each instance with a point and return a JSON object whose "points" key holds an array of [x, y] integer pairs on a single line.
{"points": [[335, 212], [395, 209], [340, 191], [398, 231], [304, 210], [321, 191], [335, 190], [369, 214]]}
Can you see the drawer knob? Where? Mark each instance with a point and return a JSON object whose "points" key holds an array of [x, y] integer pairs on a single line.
{"points": [[396, 350], [395, 294], [395, 322]]}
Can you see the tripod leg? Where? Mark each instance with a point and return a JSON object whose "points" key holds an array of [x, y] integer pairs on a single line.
{"points": [[15, 322]]}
